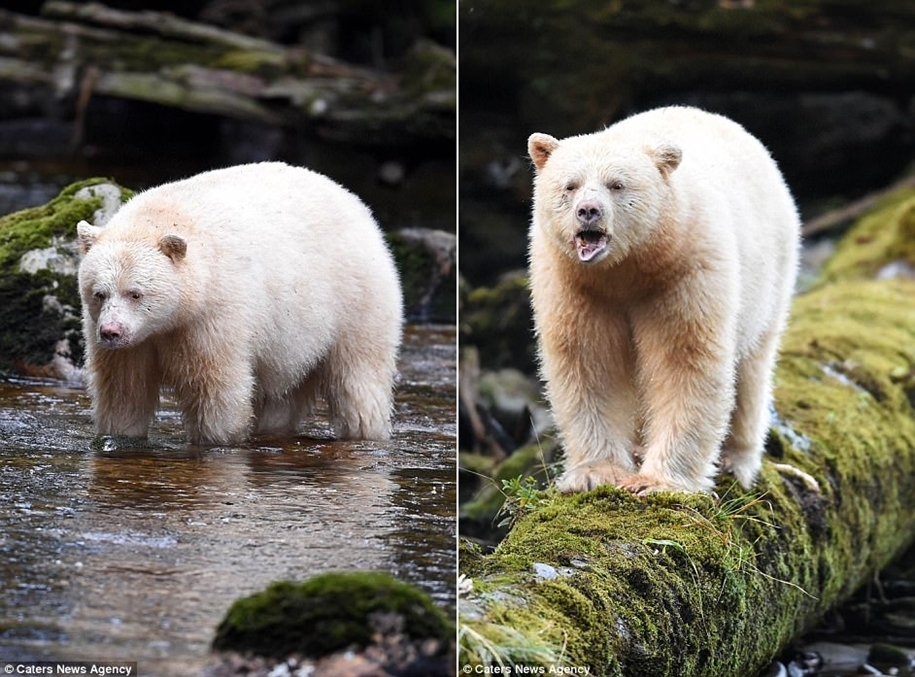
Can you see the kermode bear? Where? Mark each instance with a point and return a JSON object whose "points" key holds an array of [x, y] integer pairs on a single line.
{"points": [[663, 254], [249, 291]]}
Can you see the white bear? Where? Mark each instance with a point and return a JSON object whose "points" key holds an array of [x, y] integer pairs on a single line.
{"points": [[663, 255], [249, 291]]}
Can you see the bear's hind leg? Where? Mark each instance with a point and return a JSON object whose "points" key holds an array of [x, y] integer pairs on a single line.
{"points": [[742, 452], [274, 416], [216, 398], [217, 415], [281, 414], [358, 383]]}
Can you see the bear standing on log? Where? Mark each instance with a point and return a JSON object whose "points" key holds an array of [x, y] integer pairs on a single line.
{"points": [[663, 255], [249, 291]]}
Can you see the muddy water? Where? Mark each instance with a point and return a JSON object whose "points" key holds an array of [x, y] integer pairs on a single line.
{"points": [[136, 553]]}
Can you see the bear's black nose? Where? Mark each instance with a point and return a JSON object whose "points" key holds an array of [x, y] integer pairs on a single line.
{"points": [[589, 212]]}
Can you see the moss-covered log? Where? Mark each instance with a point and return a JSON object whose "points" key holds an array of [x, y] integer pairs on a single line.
{"points": [[680, 584]]}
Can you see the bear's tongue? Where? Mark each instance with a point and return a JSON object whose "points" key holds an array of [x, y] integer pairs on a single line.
{"points": [[590, 243]]}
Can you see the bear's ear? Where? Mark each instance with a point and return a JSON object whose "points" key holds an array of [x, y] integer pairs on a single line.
{"points": [[667, 158], [539, 147], [86, 236], [173, 247]]}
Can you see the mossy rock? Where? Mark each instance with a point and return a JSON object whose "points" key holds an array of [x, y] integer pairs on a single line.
{"points": [[325, 614], [39, 299], [427, 259]]}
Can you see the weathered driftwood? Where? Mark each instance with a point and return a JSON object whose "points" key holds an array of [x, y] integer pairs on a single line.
{"points": [[680, 584], [77, 50]]}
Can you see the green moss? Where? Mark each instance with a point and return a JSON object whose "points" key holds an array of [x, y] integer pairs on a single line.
{"points": [[33, 228], [883, 235], [251, 61], [478, 516], [30, 328], [137, 54], [429, 68], [327, 613], [478, 464]]}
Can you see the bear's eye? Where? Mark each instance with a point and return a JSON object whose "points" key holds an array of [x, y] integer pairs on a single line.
{"points": [[100, 296], [571, 187], [615, 185], [135, 295]]}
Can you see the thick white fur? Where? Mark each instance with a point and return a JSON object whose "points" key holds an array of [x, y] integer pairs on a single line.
{"points": [[249, 291], [658, 352]]}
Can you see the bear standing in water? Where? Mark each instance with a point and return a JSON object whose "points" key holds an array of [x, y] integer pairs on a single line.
{"points": [[663, 255], [249, 291]]}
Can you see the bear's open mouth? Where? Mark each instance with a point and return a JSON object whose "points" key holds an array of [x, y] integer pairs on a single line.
{"points": [[589, 244]]}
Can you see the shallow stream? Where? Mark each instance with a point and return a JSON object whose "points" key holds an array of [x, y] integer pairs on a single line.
{"points": [[135, 554]]}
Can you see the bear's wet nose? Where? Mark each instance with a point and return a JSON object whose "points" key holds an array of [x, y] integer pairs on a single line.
{"points": [[110, 332], [588, 212]]}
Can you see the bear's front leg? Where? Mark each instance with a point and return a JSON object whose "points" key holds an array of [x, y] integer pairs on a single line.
{"points": [[216, 413], [124, 386], [587, 364], [214, 386], [685, 381]]}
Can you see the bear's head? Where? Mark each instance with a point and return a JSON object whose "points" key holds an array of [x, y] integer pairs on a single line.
{"points": [[598, 196], [130, 289]]}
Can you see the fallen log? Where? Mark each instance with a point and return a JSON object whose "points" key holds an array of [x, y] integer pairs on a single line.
{"points": [[688, 584]]}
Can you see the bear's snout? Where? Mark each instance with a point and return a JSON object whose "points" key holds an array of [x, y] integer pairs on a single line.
{"points": [[112, 335], [589, 212]]}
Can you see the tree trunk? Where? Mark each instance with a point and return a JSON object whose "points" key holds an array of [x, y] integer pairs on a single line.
{"points": [[686, 584]]}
